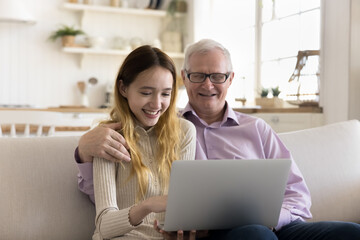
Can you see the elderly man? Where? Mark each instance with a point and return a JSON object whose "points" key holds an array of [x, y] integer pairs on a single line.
{"points": [[223, 134]]}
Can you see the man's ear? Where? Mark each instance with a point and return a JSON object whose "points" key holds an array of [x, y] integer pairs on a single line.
{"points": [[183, 74], [122, 89], [231, 77]]}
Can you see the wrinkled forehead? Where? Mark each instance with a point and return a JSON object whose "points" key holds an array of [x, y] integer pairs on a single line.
{"points": [[208, 61]]}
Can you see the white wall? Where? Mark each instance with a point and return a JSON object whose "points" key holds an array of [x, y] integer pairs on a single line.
{"points": [[340, 76], [354, 86], [35, 71], [335, 60]]}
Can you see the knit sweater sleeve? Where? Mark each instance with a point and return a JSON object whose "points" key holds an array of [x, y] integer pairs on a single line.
{"points": [[110, 221], [188, 141]]}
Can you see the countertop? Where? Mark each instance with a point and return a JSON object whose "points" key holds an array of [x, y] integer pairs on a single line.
{"points": [[248, 110], [78, 110]]}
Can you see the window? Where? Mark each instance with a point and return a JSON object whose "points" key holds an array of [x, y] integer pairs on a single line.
{"points": [[264, 37]]}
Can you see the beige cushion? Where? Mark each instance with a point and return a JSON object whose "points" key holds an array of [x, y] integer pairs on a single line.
{"points": [[329, 158], [39, 198]]}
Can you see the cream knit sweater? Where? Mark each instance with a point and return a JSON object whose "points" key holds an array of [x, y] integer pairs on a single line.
{"points": [[115, 194]]}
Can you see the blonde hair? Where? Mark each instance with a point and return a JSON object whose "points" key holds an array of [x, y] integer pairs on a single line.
{"points": [[167, 129]]}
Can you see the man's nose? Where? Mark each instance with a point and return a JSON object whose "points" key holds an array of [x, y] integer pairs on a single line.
{"points": [[207, 82]]}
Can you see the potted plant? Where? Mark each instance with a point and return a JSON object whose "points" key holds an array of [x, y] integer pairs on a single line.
{"points": [[275, 91], [264, 92], [67, 35], [266, 102], [177, 6]]}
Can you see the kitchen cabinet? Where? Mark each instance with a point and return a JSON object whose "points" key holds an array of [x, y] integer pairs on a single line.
{"points": [[71, 120], [110, 22], [285, 122], [288, 119]]}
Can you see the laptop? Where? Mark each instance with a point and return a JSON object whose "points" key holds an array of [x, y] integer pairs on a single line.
{"points": [[223, 194]]}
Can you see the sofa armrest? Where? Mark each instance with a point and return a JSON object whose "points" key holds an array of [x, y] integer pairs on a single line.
{"points": [[39, 193], [329, 159]]}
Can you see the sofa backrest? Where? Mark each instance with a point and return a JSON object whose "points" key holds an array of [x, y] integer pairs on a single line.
{"points": [[329, 159], [39, 197]]}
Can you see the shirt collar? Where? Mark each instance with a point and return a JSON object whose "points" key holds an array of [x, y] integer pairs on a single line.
{"points": [[229, 118], [142, 130]]}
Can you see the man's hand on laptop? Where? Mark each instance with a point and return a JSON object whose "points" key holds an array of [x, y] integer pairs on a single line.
{"points": [[180, 235], [105, 142]]}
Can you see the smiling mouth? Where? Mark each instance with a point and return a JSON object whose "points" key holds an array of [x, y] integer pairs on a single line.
{"points": [[207, 95], [151, 112]]}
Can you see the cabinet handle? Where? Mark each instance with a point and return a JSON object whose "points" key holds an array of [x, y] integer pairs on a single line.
{"points": [[275, 119]]}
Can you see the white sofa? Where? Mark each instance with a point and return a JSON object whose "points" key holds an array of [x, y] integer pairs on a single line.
{"points": [[39, 198]]}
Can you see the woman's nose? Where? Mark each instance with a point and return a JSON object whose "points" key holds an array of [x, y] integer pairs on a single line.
{"points": [[156, 101]]}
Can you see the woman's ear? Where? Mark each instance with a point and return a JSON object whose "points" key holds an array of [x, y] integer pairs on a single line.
{"points": [[122, 89]]}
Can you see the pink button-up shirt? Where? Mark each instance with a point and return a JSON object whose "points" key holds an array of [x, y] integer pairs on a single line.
{"points": [[241, 136]]}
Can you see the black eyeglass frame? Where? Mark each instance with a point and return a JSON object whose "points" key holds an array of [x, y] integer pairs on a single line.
{"points": [[207, 76]]}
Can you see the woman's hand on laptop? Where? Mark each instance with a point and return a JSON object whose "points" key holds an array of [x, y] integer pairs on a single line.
{"points": [[180, 235], [156, 204], [138, 212]]}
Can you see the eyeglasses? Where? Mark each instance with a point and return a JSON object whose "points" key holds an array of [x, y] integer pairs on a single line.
{"points": [[197, 77]]}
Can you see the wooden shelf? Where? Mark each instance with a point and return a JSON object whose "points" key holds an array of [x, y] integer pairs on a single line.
{"points": [[281, 110], [108, 9], [85, 9], [100, 51]]}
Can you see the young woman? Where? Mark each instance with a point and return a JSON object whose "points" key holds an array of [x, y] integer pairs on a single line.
{"points": [[130, 196]]}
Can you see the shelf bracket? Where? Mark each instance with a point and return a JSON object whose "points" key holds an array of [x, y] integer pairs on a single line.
{"points": [[82, 57], [82, 18]]}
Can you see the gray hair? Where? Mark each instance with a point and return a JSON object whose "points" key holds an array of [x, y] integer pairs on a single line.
{"points": [[203, 46]]}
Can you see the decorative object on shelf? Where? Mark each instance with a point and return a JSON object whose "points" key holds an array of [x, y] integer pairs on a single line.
{"points": [[115, 3], [172, 36], [142, 4], [264, 92], [67, 34], [266, 102], [108, 95], [177, 6], [121, 44], [242, 100], [73, 1], [299, 96], [83, 88], [156, 4], [136, 42], [83, 91], [88, 2], [172, 41], [124, 3], [96, 42], [275, 91]]}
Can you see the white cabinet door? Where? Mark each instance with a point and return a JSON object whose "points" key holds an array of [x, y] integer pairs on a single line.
{"points": [[285, 122]]}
